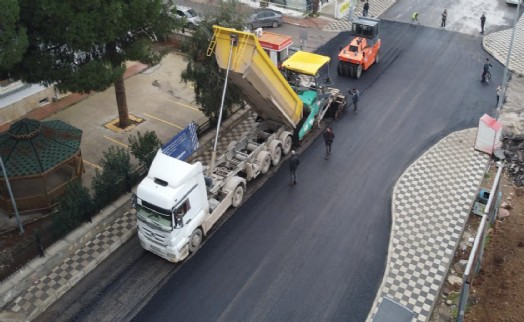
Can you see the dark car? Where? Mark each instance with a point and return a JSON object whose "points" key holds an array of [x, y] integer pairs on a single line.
{"points": [[265, 18]]}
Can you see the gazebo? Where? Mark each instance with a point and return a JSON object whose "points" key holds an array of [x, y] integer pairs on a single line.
{"points": [[40, 159]]}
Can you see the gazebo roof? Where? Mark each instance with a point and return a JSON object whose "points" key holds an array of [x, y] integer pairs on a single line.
{"points": [[31, 147]]}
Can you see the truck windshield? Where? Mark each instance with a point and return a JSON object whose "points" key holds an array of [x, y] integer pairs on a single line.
{"points": [[154, 218]]}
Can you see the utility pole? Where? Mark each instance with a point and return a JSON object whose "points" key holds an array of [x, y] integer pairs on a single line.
{"points": [[506, 67], [20, 227]]}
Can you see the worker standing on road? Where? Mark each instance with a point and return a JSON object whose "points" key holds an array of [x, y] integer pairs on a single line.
{"points": [[294, 161], [444, 17], [355, 97], [329, 136], [366, 9], [414, 19], [499, 94], [486, 74], [482, 23]]}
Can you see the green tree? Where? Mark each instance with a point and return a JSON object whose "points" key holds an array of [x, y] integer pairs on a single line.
{"points": [[144, 147], [13, 38], [82, 46], [203, 71]]}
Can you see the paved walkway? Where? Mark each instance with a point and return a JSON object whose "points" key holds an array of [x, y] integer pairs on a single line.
{"points": [[497, 44], [431, 205]]}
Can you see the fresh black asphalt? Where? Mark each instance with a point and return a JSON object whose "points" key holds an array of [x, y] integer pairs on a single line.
{"points": [[317, 251]]}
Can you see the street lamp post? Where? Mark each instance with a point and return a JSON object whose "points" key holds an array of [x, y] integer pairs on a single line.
{"points": [[506, 68], [20, 227]]}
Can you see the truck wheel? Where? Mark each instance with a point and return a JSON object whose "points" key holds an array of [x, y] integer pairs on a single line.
{"points": [[339, 69], [287, 143], [238, 195], [276, 156], [264, 161], [358, 72], [377, 58], [195, 240]]}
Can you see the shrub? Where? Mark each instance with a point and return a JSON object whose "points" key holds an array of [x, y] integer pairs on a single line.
{"points": [[114, 178], [144, 147], [74, 207]]}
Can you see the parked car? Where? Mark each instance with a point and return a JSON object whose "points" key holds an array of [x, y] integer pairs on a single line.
{"points": [[514, 2], [191, 17], [265, 18]]}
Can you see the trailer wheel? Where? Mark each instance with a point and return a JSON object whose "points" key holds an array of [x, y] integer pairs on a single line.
{"points": [[287, 143], [277, 155], [195, 240], [238, 195], [358, 72], [264, 161]]}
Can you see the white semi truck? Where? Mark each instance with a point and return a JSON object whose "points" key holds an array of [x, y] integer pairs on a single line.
{"points": [[178, 202]]}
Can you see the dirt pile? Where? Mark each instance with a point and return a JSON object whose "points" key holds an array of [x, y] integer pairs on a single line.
{"points": [[513, 145]]}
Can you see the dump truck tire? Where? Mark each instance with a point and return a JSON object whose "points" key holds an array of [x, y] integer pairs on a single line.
{"points": [[276, 155], [195, 240], [238, 196], [264, 161], [287, 142]]}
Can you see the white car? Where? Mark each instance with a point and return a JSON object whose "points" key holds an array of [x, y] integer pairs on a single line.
{"points": [[191, 17]]}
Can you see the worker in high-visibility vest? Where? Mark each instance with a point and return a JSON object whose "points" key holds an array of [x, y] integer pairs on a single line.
{"points": [[414, 19]]}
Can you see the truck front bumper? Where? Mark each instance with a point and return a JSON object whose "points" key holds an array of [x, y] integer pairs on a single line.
{"points": [[171, 254]]}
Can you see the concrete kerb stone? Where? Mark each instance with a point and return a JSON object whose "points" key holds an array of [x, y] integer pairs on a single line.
{"points": [[39, 267], [11, 317]]}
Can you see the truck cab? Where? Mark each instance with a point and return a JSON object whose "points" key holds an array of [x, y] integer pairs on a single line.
{"points": [[168, 203]]}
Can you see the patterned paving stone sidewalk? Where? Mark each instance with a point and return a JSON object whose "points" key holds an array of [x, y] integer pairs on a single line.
{"points": [[431, 205], [497, 44], [44, 291]]}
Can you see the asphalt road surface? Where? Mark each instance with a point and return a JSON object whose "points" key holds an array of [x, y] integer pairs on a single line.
{"points": [[315, 251]]}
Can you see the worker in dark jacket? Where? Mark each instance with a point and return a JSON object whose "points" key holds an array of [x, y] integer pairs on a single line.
{"points": [[294, 161], [355, 97], [366, 9], [329, 136]]}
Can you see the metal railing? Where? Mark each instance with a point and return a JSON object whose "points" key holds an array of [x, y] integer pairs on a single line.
{"points": [[477, 251]]}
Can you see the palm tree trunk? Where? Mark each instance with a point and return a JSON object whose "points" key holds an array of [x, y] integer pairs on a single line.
{"points": [[121, 102]]}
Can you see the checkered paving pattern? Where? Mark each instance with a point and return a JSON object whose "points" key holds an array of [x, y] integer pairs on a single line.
{"points": [[497, 44], [233, 134], [65, 275], [376, 8], [432, 201]]}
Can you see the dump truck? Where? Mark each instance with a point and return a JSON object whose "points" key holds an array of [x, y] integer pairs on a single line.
{"points": [[363, 50], [178, 202]]}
